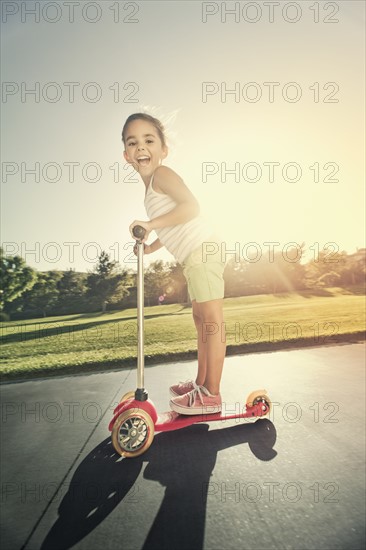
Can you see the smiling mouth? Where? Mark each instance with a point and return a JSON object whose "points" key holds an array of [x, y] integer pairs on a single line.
{"points": [[143, 161]]}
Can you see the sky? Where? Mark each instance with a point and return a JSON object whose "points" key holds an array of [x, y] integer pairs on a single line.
{"points": [[264, 110]]}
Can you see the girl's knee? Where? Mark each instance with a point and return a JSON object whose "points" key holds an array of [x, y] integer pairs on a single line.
{"points": [[211, 311]]}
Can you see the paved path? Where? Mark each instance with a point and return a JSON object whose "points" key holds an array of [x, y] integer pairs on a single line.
{"points": [[294, 481]]}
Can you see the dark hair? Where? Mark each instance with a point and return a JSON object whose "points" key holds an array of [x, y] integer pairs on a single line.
{"points": [[154, 121]]}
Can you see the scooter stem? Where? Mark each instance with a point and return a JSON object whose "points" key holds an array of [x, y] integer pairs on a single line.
{"points": [[140, 394]]}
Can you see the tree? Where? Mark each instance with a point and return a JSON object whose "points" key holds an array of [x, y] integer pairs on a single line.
{"points": [[43, 295], [106, 284], [176, 285], [283, 272], [16, 278], [238, 278], [156, 281], [326, 268], [72, 289], [355, 268]]}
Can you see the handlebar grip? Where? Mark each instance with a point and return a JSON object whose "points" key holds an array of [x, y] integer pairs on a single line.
{"points": [[138, 232]]}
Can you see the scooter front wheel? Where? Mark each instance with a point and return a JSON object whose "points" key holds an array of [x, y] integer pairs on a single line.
{"points": [[260, 396], [126, 396], [133, 433]]}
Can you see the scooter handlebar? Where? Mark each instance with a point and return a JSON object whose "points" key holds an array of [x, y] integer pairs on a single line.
{"points": [[138, 232]]}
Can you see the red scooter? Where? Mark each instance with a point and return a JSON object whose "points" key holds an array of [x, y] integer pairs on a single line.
{"points": [[135, 419]]}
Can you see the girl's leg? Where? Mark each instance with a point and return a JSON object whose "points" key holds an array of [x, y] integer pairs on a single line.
{"points": [[212, 333], [201, 345]]}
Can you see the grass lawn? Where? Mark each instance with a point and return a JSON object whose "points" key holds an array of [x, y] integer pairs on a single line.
{"points": [[77, 343]]}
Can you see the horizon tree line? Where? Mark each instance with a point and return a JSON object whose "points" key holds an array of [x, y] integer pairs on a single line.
{"points": [[26, 292]]}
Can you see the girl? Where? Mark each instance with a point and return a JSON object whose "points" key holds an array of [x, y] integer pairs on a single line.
{"points": [[174, 216]]}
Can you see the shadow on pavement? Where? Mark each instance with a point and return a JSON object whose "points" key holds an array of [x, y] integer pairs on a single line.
{"points": [[182, 461]]}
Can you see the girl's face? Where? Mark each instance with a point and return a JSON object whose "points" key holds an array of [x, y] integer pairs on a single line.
{"points": [[143, 147]]}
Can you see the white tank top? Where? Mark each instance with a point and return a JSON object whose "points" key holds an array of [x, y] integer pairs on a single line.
{"points": [[180, 240]]}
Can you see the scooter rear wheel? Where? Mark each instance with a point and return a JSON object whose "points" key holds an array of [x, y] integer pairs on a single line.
{"points": [[258, 396], [133, 433]]}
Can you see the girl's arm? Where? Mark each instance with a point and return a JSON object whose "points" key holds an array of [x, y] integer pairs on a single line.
{"points": [[154, 246], [150, 248], [168, 182]]}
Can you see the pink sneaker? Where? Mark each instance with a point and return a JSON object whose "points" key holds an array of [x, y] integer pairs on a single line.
{"points": [[183, 387], [197, 401]]}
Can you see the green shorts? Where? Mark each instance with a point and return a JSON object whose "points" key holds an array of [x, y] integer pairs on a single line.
{"points": [[204, 274]]}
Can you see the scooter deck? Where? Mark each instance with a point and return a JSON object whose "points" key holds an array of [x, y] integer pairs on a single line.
{"points": [[171, 420]]}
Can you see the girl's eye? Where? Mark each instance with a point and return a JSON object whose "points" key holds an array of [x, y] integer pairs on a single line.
{"points": [[131, 143], [149, 141]]}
